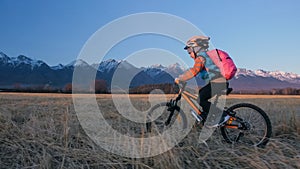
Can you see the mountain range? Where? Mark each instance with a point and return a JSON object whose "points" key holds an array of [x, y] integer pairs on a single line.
{"points": [[24, 71]]}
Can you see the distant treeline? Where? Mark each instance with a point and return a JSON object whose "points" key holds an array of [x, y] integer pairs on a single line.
{"points": [[166, 88], [100, 87], [97, 86]]}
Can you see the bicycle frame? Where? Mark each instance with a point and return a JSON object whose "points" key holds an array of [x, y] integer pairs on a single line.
{"points": [[189, 97]]}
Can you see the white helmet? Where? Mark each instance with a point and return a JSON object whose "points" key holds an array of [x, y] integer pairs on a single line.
{"points": [[198, 41]]}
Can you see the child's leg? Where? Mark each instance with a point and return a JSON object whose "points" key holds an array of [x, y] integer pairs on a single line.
{"points": [[204, 96], [218, 89], [206, 93]]}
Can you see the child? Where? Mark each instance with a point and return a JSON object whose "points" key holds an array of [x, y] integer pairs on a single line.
{"points": [[197, 46]]}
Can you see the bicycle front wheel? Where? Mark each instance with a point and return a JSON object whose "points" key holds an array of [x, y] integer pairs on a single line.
{"points": [[160, 118], [250, 126]]}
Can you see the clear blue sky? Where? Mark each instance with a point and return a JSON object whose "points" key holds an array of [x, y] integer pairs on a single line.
{"points": [[259, 34]]}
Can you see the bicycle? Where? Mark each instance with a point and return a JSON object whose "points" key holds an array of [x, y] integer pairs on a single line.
{"points": [[243, 123]]}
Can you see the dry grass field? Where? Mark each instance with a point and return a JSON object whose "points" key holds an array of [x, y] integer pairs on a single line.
{"points": [[42, 131]]}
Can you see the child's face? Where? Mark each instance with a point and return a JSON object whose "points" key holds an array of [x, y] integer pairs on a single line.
{"points": [[192, 54]]}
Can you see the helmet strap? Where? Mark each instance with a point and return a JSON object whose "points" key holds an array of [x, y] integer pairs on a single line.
{"points": [[195, 53], [197, 50]]}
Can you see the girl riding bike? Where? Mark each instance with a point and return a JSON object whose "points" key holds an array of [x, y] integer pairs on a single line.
{"points": [[197, 46], [240, 123]]}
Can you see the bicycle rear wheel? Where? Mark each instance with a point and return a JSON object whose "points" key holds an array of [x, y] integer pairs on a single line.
{"points": [[250, 125], [160, 120]]}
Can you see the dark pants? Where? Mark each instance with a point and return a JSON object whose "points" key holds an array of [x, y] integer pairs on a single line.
{"points": [[207, 92]]}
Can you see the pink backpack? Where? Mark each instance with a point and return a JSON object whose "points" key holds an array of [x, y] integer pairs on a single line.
{"points": [[222, 60]]}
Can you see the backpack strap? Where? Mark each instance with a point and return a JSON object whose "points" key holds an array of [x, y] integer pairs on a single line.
{"points": [[219, 55]]}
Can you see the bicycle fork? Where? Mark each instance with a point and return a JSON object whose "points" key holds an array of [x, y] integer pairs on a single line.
{"points": [[172, 106]]}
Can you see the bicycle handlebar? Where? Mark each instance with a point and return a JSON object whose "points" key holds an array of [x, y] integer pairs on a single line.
{"points": [[182, 85]]}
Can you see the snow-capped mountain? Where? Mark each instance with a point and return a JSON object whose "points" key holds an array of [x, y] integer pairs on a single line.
{"points": [[153, 72], [21, 60], [4, 59], [107, 66], [279, 75], [257, 80], [173, 70], [79, 63], [27, 71], [285, 76], [57, 67]]}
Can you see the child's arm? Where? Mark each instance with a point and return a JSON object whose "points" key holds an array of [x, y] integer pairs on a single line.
{"points": [[192, 72]]}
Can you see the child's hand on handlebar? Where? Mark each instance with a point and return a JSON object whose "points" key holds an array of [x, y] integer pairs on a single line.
{"points": [[177, 81]]}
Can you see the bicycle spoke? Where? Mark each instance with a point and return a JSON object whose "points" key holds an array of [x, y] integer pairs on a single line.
{"points": [[257, 129], [239, 136]]}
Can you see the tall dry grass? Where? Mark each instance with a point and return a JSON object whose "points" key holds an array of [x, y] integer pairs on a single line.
{"points": [[42, 131]]}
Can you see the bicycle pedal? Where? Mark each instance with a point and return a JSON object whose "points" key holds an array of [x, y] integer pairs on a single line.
{"points": [[211, 126], [214, 126], [220, 124], [226, 118]]}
